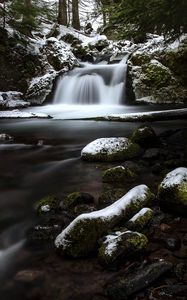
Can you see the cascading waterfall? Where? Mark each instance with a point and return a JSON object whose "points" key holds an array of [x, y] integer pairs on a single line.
{"points": [[93, 84]]}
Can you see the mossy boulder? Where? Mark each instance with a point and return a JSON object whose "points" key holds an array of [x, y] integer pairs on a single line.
{"points": [[110, 196], [120, 246], [81, 237], [118, 174], [145, 136], [44, 233], [110, 149], [140, 220], [47, 204], [77, 198], [172, 192]]}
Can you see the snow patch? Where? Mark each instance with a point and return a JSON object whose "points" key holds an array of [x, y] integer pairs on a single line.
{"points": [[174, 178]]}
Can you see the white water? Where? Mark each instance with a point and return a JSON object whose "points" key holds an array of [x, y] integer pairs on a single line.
{"points": [[93, 84]]}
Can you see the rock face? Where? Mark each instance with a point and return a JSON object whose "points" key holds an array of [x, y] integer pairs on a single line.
{"points": [[172, 191], [81, 237], [138, 280], [110, 149], [121, 245], [158, 72]]}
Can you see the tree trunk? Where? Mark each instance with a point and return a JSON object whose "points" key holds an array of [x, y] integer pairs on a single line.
{"points": [[75, 14], [62, 12]]}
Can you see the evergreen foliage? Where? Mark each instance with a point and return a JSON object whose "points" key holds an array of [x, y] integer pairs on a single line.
{"points": [[135, 18]]}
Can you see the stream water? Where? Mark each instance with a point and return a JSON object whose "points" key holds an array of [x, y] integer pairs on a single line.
{"points": [[44, 157]]}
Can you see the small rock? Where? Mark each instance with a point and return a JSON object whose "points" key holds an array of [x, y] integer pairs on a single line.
{"points": [[136, 281], [173, 244], [75, 199], [185, 239], [121, 245], [140, 220], [151, 153], [5, 137], [145, 136], [118, 174], [181, 271], [164, 227]]}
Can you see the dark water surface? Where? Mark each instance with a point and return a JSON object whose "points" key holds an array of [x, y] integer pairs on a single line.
{"points": [[45, 158]]}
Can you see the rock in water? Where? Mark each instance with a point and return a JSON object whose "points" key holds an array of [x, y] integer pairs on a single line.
{"points": [[81, 237], [121, 245], [110, 149], [140, 220], [118, 174], [129, 284], [145, 136], [172, 191]]}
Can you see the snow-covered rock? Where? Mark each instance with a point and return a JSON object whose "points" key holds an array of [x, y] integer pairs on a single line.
{"points": [[12, 99], [172, 191], [110, 149], [121, 245], [140, 220], [17, 114], [81, 236]]}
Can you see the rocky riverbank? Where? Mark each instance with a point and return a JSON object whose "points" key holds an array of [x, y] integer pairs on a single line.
{"points": [[130, 243]]}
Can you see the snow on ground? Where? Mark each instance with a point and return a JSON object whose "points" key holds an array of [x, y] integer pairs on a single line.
{"points": [[174, 178]]}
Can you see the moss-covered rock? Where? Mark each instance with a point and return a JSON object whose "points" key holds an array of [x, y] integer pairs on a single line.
{"points": [[172, 191], [121, 245], [110, 196], [118, 174], [47, 204], [145, 136], [77, 198], [110, 149], [140, 220], [81, 237], [42, 233]]}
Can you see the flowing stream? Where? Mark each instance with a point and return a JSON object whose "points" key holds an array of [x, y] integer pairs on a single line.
{"points": [[44, 157]]}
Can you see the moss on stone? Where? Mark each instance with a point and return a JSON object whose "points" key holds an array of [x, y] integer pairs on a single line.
{"points": [[121, 246], [77, 198], [118, 174], [145, 136], [51, 201], [110, 196], [139, 221]]}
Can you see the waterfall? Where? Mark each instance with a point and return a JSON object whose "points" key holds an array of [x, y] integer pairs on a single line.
{"points": [[93, 84]]}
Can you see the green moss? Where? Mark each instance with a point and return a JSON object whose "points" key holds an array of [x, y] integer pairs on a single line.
{"points": [[118, 174], [141, 221], [182, 193], [138, 59], [145, 136], [109, 197], [157, 75], [51, 201], [77, 198]]}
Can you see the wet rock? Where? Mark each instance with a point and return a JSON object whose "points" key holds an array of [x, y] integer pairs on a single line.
{"points": [[81, 237], [110, 196], [140, 220], [47, 204], [172, 291], [181, 271], [5, 137], [173, 244], [77, 198], [145, 136], [110, 149], [136, 281], [185, 239], [164, 227], [121, 245], [118, 174], [172, 191], [151, 153]]}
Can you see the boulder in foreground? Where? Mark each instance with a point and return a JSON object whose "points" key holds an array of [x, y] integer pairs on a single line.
{"points": [[80, 238], [110, 149], [172, 191]]}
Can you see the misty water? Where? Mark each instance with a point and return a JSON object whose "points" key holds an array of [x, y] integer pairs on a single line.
{"points": [[44, 157]]}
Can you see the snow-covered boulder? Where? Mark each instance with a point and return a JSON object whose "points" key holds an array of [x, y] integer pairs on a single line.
{"points": [[12, 99], [172, 191], [140, 220], [110, 149], [81, 237], [118, 174], [158, 72], [121, 245]]}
